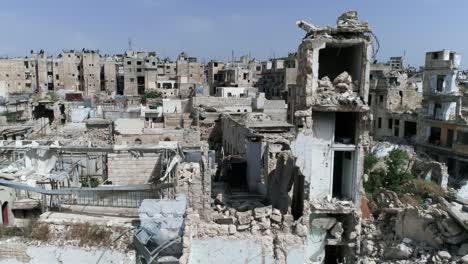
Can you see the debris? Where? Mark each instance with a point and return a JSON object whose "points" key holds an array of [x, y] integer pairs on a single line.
{"points": [[261, 212], [344, 77], [444, 255], [324, 223], [337, 230], [400, 251]]}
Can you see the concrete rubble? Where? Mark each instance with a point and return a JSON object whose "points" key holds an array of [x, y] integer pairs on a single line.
{"points": [[340, 92], [235, 162], [401, 233]]}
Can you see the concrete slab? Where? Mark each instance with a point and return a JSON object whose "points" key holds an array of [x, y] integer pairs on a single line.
{"points": [[69, 218], [16, 253]]}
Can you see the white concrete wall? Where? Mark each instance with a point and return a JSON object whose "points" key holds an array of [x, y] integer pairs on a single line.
{"points": [[172, 106], [231, 92], [215, 251], [17, 253]]}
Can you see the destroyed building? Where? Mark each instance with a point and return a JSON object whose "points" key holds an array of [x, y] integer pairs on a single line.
{"points": [[277, 75], [441, 132], [269, 168], [242, 73], [330, 110], [395, 101]]}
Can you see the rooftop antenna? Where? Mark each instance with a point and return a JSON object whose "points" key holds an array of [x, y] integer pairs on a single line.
{"points": [[232, 56], [129, 44]]}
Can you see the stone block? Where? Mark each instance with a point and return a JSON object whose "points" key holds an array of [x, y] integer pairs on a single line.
{"points": [[260, 212], [244, 218], [224, 220]]}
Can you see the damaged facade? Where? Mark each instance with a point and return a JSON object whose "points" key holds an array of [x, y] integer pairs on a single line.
{"points": [[238, 162], [395, 98], [331, 113], [442, 126]]}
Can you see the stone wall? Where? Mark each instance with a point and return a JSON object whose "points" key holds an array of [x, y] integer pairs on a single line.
{"points": [[125, 169], [222, 102], [276, 109], [155, 135], [194, 179]]}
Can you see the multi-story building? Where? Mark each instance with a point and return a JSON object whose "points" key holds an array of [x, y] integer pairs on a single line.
{"points": [[87, 72], [442, 133], [78, 72], [42, 66], [135, 65], [66, 71], [17, 76], [190, 74], [243, 73], [26, 75], [90, 72], [395, 100], [166, 82], [396, 63], [109, 74], [277, 75], [331, 114], [212, 70], [143, 71]]}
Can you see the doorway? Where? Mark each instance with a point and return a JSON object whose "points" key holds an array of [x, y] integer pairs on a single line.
{"points": [[5, 213]]}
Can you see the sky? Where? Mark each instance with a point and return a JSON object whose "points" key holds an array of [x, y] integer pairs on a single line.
{"points": [[210, 29]]}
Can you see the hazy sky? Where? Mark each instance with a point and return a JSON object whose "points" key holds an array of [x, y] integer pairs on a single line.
{"points": [[211, 29]]}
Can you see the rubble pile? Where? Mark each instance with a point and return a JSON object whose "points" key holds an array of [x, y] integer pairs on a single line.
{"points": [[228, 218], [59, 236], [78, 137], [332, 204], [275, 231], [347, 23], [340, 92], [420, 166], [402, 233]]}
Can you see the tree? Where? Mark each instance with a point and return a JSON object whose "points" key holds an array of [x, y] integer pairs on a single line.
{"points": [[153, 94], [393, 178]]}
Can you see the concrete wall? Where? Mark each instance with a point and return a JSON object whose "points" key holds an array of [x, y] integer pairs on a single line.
{"points": [[110, 75], [91, 72], [231, 104], [66, 72], [234, 136], [214, 251], [277, 109], [13, 73], [129, 126], [172, 106], [155, 135], [114, 115]]}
